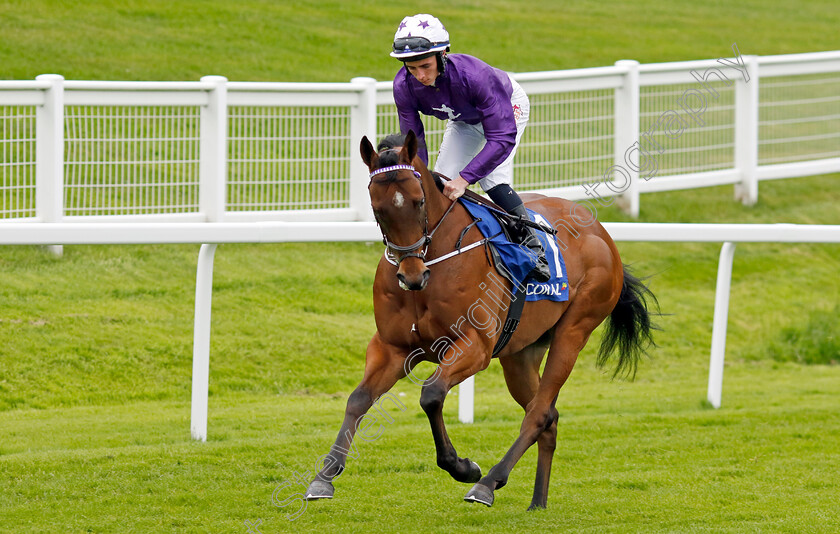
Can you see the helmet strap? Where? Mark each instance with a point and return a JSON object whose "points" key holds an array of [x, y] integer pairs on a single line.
{"points": [[441, 62]]}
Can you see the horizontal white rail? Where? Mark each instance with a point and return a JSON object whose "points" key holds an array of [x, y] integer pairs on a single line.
{"points": [[796, 64], [130, 233], [135, 98], [719, 233], [803, 168]]}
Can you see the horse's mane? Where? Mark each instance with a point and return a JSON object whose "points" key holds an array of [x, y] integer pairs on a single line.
{"points": [[388, 149], [390, 142]]}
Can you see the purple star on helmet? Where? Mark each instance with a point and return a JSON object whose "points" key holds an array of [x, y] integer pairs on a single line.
{"points": [[424, 24], [402, 26]]}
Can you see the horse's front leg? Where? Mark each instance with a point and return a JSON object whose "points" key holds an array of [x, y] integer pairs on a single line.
{"points": [[384, 366], [431, 400]]}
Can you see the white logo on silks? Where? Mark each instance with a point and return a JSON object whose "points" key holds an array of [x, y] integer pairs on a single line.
{"points": [[449, 111], [549, 289], [544, 289]]}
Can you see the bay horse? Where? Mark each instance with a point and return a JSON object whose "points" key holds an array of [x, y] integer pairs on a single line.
{"points": [[420, 307]]}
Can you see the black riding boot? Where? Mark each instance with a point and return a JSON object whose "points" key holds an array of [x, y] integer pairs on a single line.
{"points": [[527, 235]]}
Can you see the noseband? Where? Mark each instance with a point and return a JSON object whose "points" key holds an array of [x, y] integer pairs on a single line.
{"points": [[409, 250]]}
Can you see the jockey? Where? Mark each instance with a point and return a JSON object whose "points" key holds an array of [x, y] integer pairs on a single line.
{"points": [[486, 113]]}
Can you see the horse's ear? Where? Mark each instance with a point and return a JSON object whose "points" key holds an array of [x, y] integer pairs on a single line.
{"points": [[369, 155], [409, 149]]}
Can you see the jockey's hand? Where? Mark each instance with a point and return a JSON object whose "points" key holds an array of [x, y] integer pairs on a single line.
{"points": [[455, 188]]}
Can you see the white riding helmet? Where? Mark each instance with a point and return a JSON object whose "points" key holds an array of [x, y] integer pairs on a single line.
{"points": [[420, 35]]}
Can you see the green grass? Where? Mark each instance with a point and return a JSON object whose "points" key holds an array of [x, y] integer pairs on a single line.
{"points": [[95, 346], [643, 457], [318, 40], [816, 342]]}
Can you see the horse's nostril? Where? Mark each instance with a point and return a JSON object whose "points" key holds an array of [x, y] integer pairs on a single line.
{"points": [[403, 283], [413, 285]]}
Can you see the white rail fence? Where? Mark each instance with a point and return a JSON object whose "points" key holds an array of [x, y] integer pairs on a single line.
{"points": [[224, 151], [209, 235]]}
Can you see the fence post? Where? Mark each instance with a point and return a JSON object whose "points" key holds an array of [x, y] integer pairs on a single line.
{"points": [[626, 172], [201, 342], [466, 400], [362, 123], [724, 283], [746, 132], [212, 166], [212, 188], [49, 155]]}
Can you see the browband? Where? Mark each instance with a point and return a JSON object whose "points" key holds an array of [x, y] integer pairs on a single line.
{"points": [[395, 168]]}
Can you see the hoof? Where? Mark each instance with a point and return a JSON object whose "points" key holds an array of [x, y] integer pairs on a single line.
{"points": [[480, 493], [319, 489], [475, 473], [470, 475]]}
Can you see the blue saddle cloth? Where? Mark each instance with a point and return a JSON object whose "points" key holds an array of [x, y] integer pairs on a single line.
{"points": [[519, 260]]}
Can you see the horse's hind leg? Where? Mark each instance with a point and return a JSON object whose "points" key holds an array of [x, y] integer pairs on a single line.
{"points": [[522, 375], [570, 336], [547, 443]]}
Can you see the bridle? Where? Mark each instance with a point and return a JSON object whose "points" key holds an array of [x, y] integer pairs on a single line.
{"points": [[409, 251]]}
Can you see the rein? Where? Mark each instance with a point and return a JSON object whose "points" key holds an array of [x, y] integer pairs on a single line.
{"points": [[424, 241]]}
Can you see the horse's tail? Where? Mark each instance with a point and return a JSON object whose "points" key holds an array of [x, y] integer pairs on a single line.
{"points": [[629, 327]]}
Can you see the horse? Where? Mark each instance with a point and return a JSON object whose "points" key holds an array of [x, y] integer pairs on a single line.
{"points": [[420, 304]]}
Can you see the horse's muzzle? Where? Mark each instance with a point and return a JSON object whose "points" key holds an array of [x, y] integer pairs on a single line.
{"points": [[414, 283]]}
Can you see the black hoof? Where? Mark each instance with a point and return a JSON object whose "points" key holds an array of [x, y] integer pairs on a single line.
{"points": [[475, 472], [319, 489], [465, 470], [480, 493]]}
